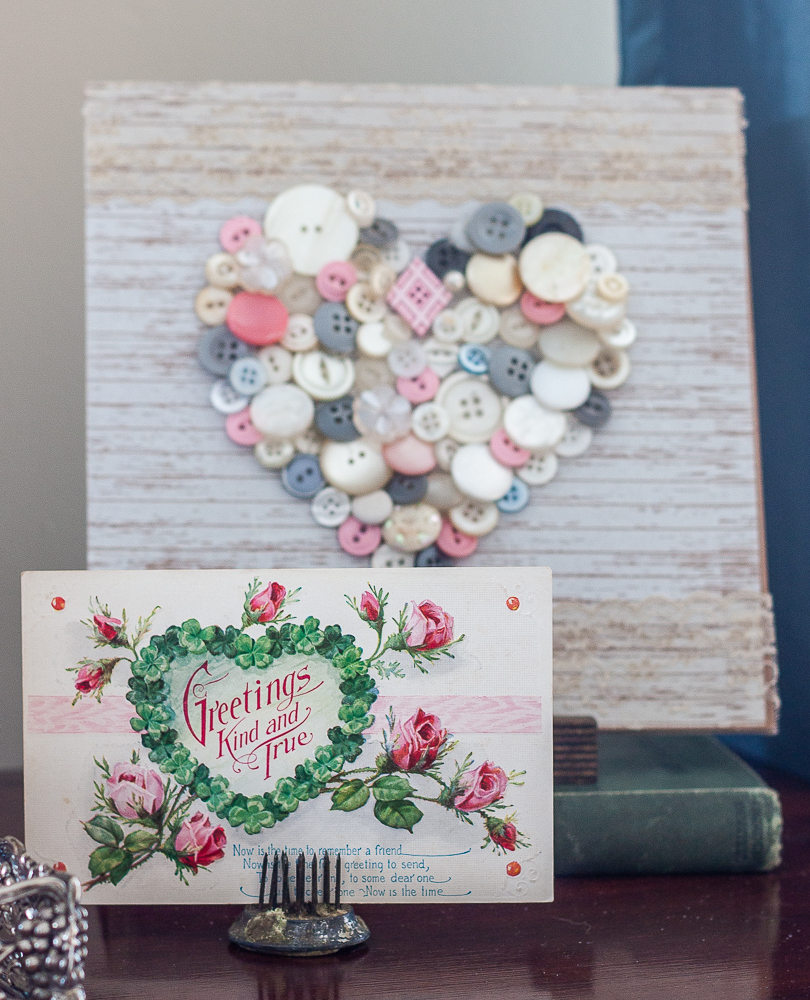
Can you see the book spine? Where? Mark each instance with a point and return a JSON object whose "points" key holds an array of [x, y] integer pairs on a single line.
{"points": [[666, 832]]}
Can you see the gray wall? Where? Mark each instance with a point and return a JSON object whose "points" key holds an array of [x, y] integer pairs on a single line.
{"points": [[47, 51]]}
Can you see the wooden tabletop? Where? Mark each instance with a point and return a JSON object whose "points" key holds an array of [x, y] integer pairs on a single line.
{"points": [[665, 938]]}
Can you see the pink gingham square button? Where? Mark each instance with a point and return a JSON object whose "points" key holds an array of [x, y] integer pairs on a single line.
{"points": [[418, 296]]}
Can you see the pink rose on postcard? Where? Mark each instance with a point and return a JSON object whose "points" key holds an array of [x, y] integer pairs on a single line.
{"points": [[135, 790], [198, 844], [481, 787], [417, 741], [429, 627], [109, 627], [89, 678], [268, 602]]}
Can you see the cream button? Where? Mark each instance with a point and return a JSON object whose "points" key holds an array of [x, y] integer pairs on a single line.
{"points": [[442, 493], [479, 321], [612, 287], [322, 375], [300, 333], [211, 305], [396, 329], [540, 469], [609, 369], [529, 205], [373, 508], [568, 344], [310, 441], [430, 421], [445, 449], [576, 440], [592, 310], [494, 280], [624, 337], [474, 409], [314, 224], [560, 388], [299, 294], [372, 341], [330, 507], [221, 271], [477, 474], [603, 259], [384, 557], [447, 327], [274, 454], [381, 280], [356, 467], [412, 527], [276, 363], [364, 259], [361, 207], [363, 305], [474, 517], [555, 267], [531, 425], [281, 411], [454, 281], [370, 373], [441, 358], [516, 330]]}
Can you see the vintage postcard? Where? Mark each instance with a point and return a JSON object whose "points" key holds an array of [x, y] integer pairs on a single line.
{"points": [[179, 724]]}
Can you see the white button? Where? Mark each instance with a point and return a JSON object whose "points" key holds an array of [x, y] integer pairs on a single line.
{"points": [[568, 344], [516, 330], [560, 388], [576, 440], [361, 207], [299, 294], [555, 267], [314, 224], [330, 507], [221, 271], [479, 321], [447, 327], [282, 411], [540, 469], [274, 454], [445, 449], [494, 280], [458, 230], [247, 376], [412, 527], [382, 413], [591, 310], [610, 368], [277, 364], [430, 421], [323, 376], [603, 259], [385, 557], [370, 373], [473, 407], [477, 474], [355, 467], [624, 337], [529, 205], [441, 358], [442, 493], [407, 360], [396, 329], [454, 281], [310, 441], [372, 341], [613, 287], [300, 333], [398, 256], [474, 517], [373, 508], [531, 425], [225, 399], [363, 305]]}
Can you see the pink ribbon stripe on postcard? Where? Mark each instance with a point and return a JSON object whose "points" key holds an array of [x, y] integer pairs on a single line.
{"points": [[458, 713]]}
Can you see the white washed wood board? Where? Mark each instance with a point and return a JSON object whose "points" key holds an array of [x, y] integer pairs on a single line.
{"points": [[665, 505]]}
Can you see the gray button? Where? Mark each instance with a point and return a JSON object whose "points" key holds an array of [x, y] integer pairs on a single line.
{"points": [[433, 557], [302, 478], [554, 220], [496, 228], [381, 233], [406, 489], [595, 411], [334, 419], [335, 328], [510, 371], [442, 256], [218, 349]]}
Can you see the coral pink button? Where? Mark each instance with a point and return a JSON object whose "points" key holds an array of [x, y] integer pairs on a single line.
{"points": [[239, 428], [455, 543], [237, 231], [410, 456], [505, 451], [335, 279], [539, 311], [421, 388], [257, 319], [358, 539]]}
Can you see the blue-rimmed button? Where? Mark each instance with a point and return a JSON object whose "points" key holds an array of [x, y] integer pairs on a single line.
{"points": [[407, 489], [515, 499], [433, 557], [474, 358], [302, 478]]}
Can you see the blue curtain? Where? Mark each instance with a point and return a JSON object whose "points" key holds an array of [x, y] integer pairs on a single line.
{"points": [[762, 47]]}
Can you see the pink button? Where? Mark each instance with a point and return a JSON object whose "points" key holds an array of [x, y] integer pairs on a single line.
{"points": [[358, 539], [420, 388], [505, 451], [410, 456], [539, 311], [240, 429], [455, 543], [257, 319], [236, 232], [335, 279]]}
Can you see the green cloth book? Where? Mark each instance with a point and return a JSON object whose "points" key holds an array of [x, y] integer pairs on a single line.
{"points": [[666, 804]]}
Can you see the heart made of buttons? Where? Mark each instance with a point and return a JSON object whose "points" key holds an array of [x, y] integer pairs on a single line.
{"points": [[412, 401]]}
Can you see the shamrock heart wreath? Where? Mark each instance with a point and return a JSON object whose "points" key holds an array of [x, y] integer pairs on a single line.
{"points": [[410, 400]]}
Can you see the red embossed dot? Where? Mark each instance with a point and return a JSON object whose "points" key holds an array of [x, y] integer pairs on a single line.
{"points": [[60, 866], [58, 603], [512, 603], [513, 868]]}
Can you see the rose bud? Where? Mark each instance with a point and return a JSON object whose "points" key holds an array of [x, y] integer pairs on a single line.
{"points": [[198, 844], [369, 607], [506, 837], [89, 678], [268, 601], [110, 628]]}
